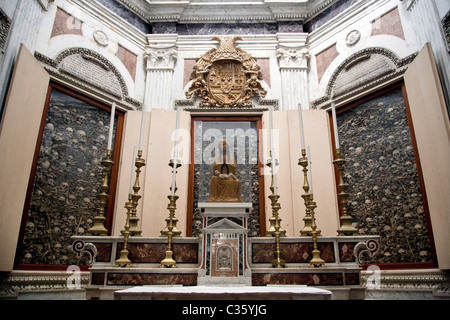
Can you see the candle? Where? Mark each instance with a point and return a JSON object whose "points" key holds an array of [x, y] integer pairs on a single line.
{"points": [[132, 170], [175, 151], [274, 176], [335, 127], [300, 120], [141, 138], [111, 125], [308, 154]]}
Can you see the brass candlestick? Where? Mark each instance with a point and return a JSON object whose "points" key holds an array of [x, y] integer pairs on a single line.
{"points": [[168, 261], [316, 261], [98, 227], [277, 262], [272, 220], [303, 161], [346, 228], [134, 229], [123, 260], [172, 220]]}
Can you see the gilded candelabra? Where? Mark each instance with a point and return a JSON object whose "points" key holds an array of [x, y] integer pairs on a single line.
{"points": [[168, 261], [346, 228], [123, 260], [272, 220], [172, 220], [277, 262], [303, 161], [316, 261], [134, 229], [98, 227]]}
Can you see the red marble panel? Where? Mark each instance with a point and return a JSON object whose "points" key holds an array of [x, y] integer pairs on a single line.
{"points": [[139, 279], [315, 279], [155, 252], [129, 60], [389, 24], [97, 278], [291, 252], [352, 279], [65, 24], [324, 59], [103, 252], [346, 251]]}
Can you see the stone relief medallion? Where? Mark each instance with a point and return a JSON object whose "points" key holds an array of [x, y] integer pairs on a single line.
{"points": [[226, 76], [101, 38], [352, 37]]}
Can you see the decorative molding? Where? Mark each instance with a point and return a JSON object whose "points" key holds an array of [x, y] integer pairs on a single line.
{"points": [[81, 248], [366, 249], [293, 58], [434, 281], [5, 25], [201, 11], [38, 281], [367, 80], [100, 37], [353, 37], [60, 72], [161, 58]]}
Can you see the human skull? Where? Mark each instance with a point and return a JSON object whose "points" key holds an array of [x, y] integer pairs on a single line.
{"points": [[27, 258]]}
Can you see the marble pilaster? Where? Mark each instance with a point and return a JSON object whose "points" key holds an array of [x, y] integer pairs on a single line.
{"points": [[293, 56], [160, 58]]}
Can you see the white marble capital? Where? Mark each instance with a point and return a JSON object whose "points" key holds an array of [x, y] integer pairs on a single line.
{"points": [[293, 58]]}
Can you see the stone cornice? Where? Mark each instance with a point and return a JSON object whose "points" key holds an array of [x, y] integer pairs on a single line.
{"points": [[196, 11]]}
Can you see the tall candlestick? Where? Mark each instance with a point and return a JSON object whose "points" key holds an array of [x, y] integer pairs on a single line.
{"points": [[111, 125], [300, 120], [141, 138], [132, 170], [308, 155], [272, 153], [335, 127], [175, 151]]}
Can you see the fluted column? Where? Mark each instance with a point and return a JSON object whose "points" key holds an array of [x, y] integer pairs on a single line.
{"points": [[293, 62], [160, 57]]}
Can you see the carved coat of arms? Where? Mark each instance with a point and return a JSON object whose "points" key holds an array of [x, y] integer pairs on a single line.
{"points": [[226, 76]]}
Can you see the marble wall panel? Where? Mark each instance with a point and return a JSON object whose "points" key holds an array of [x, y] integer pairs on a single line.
{"points": [[384, 187], [328, 14], [324, 59], [291, 252], [315, 279], [139, 279], [129, 60], [155, 252], [65, 24], [389, 24], [227, 28]]}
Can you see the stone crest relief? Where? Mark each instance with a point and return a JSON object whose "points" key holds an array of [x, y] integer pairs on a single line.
{"points": [[226, 77]]}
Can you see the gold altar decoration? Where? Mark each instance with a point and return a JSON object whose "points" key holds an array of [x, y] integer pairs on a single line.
{"points": [[273, 219], [124, 261], [226, 76], [224, 184], [98, 227], [168, 261], [307, 229], [134, 229], [171, 220], [316, 261], [346, 228]]}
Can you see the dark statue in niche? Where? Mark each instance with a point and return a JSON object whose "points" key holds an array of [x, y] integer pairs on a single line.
{"points": [[224, 185]]}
